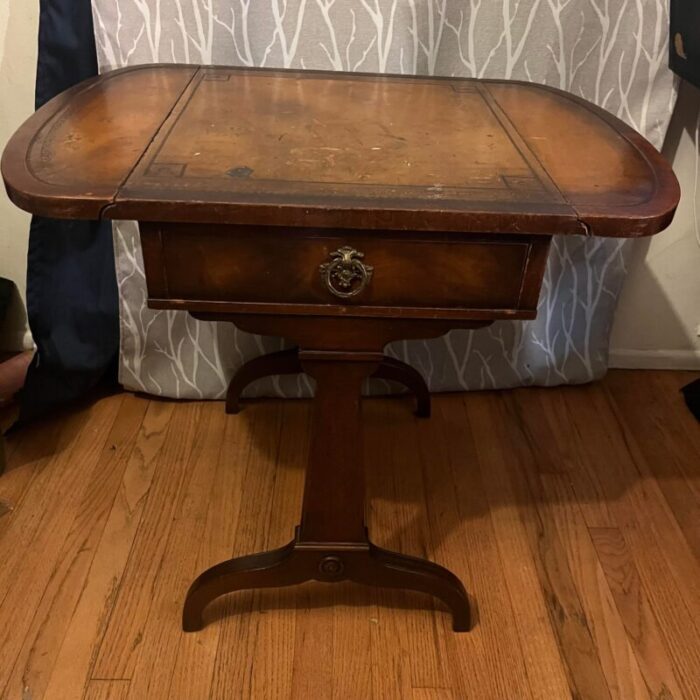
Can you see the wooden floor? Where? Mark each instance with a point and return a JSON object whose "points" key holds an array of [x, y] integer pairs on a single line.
{"points": [[572, 515]]}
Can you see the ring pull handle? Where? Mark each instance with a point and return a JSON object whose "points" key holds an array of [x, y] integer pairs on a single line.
{"points": [[345, 275]]}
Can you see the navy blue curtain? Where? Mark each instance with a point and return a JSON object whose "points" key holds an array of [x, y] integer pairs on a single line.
{"points": [[72, 301]]}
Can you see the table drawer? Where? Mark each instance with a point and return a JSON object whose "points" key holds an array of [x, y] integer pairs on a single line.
{"points": [[382, 273]]}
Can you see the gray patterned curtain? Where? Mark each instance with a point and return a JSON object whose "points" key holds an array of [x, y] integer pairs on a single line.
{"points": [[612, 52]]}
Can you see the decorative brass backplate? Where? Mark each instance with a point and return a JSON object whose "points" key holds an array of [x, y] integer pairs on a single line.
{"points": [[346, 275]]}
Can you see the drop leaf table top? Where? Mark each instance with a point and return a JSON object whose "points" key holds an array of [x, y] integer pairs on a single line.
{"points": [[306, 148]]}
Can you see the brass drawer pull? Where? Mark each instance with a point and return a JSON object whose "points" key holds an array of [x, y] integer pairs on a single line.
{"points": [[346, 275]]}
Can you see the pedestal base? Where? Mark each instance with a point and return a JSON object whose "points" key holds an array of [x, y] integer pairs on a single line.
{"points": [[299, 561], [331, 542]]}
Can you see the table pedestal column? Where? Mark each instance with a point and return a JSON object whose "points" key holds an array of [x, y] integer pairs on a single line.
{"points": [[331, 542]]}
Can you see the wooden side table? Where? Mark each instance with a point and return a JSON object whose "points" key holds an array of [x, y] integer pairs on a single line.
{"points": [[341, 212]]}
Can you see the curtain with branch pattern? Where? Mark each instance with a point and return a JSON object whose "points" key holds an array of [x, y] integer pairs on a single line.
{"points": [[611, 52]]}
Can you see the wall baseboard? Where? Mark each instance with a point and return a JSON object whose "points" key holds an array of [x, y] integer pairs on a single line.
{"points": [[16, 341], [654, 359]]}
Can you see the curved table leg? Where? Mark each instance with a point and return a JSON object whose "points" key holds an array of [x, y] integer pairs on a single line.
{"points": [[401, 372], [393, 570], [287, 362], [264, 570], [281, 362], [296, 562]]}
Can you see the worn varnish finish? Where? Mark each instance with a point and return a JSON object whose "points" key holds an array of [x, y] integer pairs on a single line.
{"points": [[572, 570], [341, 212], [290, 148], [266, 270]]}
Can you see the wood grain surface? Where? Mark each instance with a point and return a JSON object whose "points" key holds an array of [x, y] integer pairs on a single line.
{"points": [[265, 270], [570, 514], [314, 148]]}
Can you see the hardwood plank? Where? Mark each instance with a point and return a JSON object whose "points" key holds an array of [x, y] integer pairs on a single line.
{"points": [[432, 694], [391, 668], [106, 690], [162, 631], [25, 459], [120, 646], [497, 427], [88, 622], [19, 525], [33, 543], [239, 614], [633, 605], [312, 676], [664, 441], [634, 494], [352, 653], [43, 640], [617, 657], [271, 675], [661, 554], [546, 671], [545, 666], [558, 499], [390, 508], [541, 415], [685, 426], [546, 413], [453, 483], [399, 521], [196, 656], [619, 469]]}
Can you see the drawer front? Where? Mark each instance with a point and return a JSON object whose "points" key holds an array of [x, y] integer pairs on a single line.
{"points": [[348, 270]]}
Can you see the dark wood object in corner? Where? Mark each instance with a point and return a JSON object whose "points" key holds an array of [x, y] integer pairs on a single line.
{"points": [[341, 212], [684, 44]]}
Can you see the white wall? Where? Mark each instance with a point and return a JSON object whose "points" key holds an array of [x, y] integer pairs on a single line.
{"points": [[659, 314], [18, 46], [658, 320]]}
